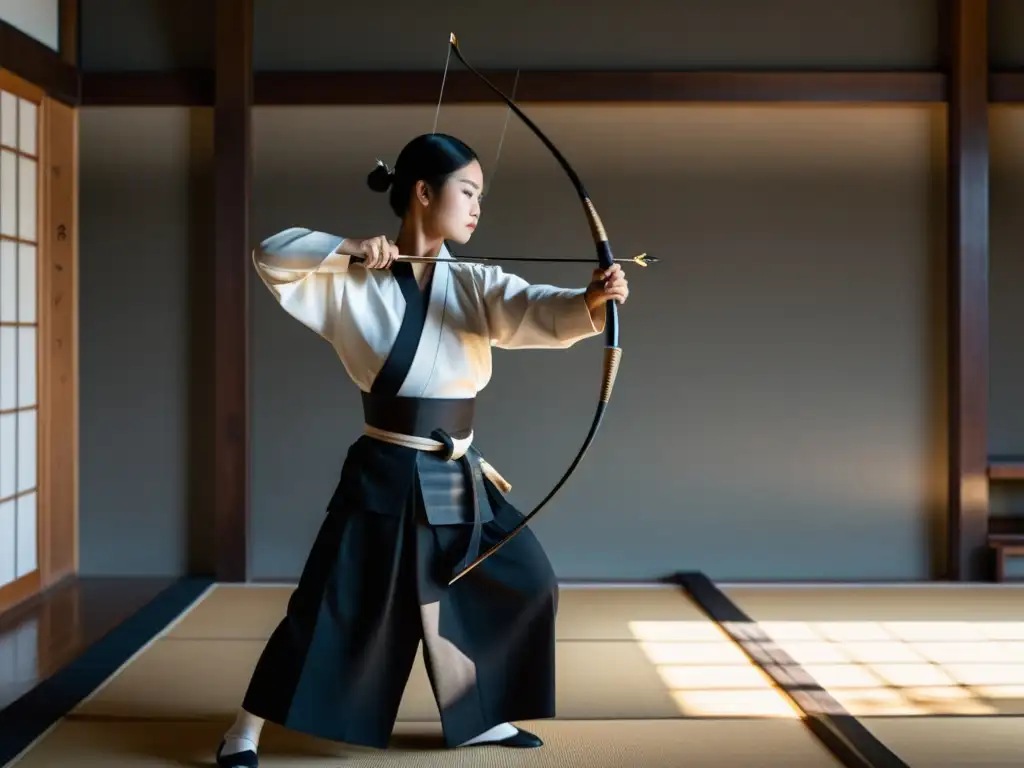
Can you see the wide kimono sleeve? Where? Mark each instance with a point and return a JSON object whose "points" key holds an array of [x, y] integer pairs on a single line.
{"points": [[305, 274], [522, 315]]}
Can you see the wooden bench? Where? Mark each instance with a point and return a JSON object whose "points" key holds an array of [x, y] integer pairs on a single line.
{"points": [[1006, 540], [1005, 534]]}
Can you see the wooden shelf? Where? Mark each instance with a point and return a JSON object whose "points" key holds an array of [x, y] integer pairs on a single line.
{"points": [[1006, 529], [1005, 540], [1006, 469]]}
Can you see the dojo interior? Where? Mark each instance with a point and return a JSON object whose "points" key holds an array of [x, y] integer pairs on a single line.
{"points": [[797, 539]]}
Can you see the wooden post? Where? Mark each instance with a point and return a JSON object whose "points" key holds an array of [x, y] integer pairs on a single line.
{"points": [[966, 27], [232, 159], [59, 369], [70, 31]]}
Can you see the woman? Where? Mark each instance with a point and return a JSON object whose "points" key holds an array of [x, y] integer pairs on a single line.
{"points": [[416, 501]]}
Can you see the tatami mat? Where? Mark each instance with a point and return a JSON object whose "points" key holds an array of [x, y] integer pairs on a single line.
{"points": [[184, 679], [639, 684], [644, 679], [953, 742], [660, 661], [593, 744]]}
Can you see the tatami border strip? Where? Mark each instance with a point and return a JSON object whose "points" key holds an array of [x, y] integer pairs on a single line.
{"points": [[841, 733]]}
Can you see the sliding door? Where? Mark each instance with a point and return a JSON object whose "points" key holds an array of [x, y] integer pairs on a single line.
{"points": [[38, 363]]}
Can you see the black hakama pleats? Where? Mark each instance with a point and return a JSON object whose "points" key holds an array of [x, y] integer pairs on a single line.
{"points": [[376, 584]]}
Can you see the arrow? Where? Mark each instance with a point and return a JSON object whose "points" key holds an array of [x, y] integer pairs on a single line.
{"points": [[642, 260]]}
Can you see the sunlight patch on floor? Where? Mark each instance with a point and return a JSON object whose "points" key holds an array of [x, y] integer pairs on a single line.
{"points": [[910, 669], [706, 673]]}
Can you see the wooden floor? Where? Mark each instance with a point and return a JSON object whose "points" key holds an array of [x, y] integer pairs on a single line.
{"points": [[653, 676], [44, 634]]}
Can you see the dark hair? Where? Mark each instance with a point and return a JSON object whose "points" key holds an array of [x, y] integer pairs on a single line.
{"points": [[431, 158]]}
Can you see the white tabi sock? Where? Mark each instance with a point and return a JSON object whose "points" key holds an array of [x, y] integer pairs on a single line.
{"points": [[243, 735], [497, 733]]}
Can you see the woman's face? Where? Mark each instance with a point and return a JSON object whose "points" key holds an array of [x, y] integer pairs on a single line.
{"points": [[455, 212]]}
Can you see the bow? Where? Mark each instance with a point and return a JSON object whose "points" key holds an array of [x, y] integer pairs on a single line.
{"points": [[612, 351]]}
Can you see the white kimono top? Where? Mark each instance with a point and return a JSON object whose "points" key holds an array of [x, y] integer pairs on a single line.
{"points": [[471, 307]]}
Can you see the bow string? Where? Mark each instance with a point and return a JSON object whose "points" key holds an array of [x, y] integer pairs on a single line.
{"points": [[605, 259]]}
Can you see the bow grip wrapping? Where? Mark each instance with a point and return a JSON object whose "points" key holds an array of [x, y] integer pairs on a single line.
{"points": [[612, 351], [606, 259], [612, 355]]}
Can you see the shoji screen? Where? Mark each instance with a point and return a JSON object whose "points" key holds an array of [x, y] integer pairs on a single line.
{"points": [[19, 325]]}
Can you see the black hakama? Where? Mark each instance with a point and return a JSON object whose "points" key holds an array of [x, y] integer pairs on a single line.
{"points": [[398, 526]]}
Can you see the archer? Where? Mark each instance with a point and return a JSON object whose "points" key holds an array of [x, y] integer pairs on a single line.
{"points": [[416, 501]]}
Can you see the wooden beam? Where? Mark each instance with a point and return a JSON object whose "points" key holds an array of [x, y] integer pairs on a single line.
{"points": [[32, 61], [303, 88], [184, 88], [195, 87], [70, 31], [966, 27], [232, 159]]}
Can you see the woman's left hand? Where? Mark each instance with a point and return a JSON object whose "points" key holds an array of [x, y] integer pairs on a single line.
{"points": [[607, 285]]}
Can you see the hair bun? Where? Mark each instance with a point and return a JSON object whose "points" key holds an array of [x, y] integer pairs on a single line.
{"points": [[380, 178]]}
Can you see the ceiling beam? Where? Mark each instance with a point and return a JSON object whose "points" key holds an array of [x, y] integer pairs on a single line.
{"points": [[300, 88], [195, 87]]}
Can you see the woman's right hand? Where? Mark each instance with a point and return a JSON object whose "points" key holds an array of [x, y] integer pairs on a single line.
{"points": [[379, 252]]}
